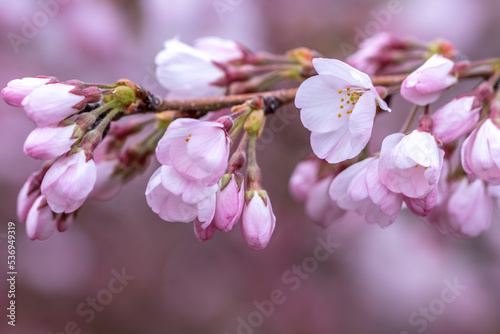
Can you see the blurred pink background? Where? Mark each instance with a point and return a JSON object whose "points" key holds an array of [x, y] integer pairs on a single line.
{"points": [[373, 281]]}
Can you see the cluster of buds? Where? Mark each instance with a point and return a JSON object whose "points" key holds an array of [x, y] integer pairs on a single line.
{"points": [[72, 118], [414, 167], [199, 182]]}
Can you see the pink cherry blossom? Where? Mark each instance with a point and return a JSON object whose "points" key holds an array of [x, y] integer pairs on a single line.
{"points": [[41, 221], [230, 200], [304, 177], [467, 210], [425, 84], [338, 107], [18, 89], [481, 153], [258, 220], [69, 181], [27, 196], [198, 150], [389, 202], [456, 118], [171, 207], [410, 164], [50, 142], [187, 72], [51, 104], [165, 204], [350, 190], [320, 208]]}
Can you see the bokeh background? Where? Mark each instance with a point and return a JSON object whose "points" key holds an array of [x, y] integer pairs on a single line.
{"points": [[373, 281]]}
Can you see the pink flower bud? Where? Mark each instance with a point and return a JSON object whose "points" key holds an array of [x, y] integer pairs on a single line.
{"points": [[201, 233], [187, 72], [229, 204], [18, 89], [426, 83], [69, 181], [65, 221], [258, 220], [51, 104], [466, 212], [50, 142], [456, 118], [27, 196], [470, 209], [304, 177], [41, 221], [424, 205], [410, 164], [481, 153]]}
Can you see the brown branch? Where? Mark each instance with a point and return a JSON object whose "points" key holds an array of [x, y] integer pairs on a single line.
{"points": [[217, 103]]}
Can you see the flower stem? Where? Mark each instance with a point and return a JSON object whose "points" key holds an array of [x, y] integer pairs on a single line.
{"points": [[410, 119]]}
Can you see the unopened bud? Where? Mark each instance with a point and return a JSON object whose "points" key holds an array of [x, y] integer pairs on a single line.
{"points": [[124, 94], [92, 94], [255, 122], [227, 122]]}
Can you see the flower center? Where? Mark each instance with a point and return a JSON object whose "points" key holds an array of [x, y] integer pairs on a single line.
{"points": [[348, 98]]}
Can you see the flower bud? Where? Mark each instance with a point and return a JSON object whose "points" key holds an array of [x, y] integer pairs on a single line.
{"points": [[481, 153], [456, 118], [229, 203], [50, 142], [51, 104], [203, 234], [69, 181], [18, 89], [426, 83], [255, 121], [258, 220], [41, 221], [27, 196]]}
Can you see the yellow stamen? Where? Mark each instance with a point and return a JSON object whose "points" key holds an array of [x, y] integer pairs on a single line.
{"points": [[340, 115], [340, 91], [341, 107]]}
